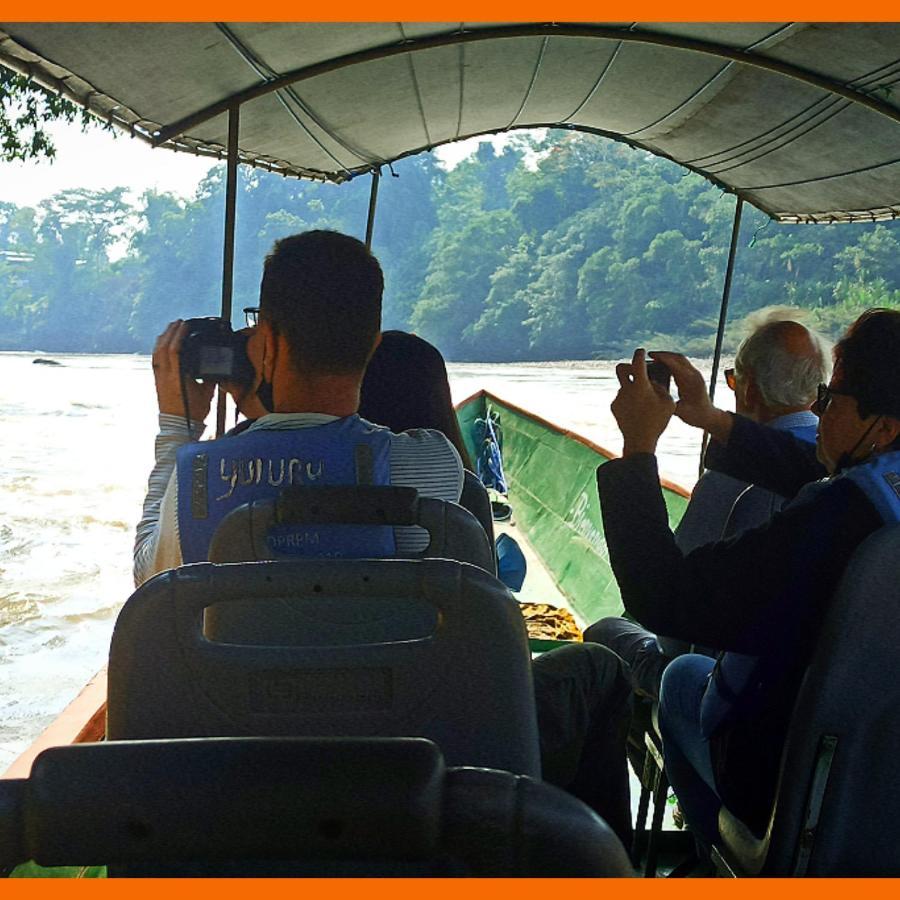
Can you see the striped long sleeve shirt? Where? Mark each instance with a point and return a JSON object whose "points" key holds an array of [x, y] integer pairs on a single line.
{"points": [[422, 458]]}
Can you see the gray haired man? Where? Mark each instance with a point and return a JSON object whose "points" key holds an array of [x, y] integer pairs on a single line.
{"points": [[777, 369]]}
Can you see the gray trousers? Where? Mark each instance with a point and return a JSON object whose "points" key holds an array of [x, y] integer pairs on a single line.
{"points": [[639, 648], [583, 698]]}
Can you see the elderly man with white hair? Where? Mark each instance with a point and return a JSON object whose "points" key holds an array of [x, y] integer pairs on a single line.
{"points": [[777, 369]]}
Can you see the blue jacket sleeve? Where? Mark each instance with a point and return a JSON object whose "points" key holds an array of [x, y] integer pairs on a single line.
{"points": [[773, 459]]}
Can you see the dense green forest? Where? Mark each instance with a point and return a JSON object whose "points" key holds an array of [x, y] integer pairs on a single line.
{"points": [[569, 246]]}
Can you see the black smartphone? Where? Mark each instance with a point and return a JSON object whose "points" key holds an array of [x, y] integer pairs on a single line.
{"points": [[659, 372]]}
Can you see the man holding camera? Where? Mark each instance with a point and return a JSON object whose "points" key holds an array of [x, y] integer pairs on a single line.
{"points": [[319, 321], [764, 593], [777, 369]]}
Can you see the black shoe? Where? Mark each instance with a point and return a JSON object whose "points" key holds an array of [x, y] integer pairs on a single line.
{"points": [[501, 512]]}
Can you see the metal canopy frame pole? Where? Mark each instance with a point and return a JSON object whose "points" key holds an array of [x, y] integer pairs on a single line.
{"points": [[723, 315], [373, 201], [234, 116]]}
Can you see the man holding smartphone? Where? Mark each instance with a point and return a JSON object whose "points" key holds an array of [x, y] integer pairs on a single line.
{"points": [[764, 593], [776, 371]]}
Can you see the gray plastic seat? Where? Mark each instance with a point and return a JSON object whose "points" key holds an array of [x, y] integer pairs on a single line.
{"points": [[475, 499], [431, 648], [454, 533], [243, 537], [287, 807], [839, 792]]}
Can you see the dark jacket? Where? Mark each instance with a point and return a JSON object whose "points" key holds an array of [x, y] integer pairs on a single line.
{"points": [[762, 593]]}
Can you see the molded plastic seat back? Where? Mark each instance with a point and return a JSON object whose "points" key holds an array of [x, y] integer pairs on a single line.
{"points": [[430, 648], [242, 537], [313, 806], [841, 755], [475, 499], [454, 532]]}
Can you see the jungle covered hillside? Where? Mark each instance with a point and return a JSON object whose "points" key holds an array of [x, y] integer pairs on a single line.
{"points": [[564, 247]]}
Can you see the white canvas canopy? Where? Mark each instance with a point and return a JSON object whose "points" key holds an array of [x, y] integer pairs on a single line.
{"points": [[801, 120]]}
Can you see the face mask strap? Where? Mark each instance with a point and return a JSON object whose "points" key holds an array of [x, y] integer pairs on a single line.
{"points": [[847, 459]]}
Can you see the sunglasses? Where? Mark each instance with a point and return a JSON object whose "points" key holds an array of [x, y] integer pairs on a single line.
{"points": [[251, 316], [824, 395], [729, 378]]}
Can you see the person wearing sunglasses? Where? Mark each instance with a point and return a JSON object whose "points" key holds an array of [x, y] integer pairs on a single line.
{"points": [[776, 371], [763, 593]]}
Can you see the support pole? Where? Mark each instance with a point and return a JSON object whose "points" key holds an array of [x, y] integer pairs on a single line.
{"points": [[723, 315], [228, 250], [373, 200]]}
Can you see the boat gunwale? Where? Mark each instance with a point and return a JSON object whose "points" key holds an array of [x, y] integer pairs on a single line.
{"points": [[568, 433], [82, 721]]}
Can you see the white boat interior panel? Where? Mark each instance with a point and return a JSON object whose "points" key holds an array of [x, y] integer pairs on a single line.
{"points": [[773, 112]]}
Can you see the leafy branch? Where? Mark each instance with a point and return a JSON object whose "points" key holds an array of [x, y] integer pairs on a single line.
{"points": [[25, 109]]}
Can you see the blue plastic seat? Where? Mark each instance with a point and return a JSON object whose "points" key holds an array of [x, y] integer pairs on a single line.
{"points": [[839, 792]]}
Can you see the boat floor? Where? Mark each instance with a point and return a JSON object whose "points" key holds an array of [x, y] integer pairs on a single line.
{"points": [[539, 587]]}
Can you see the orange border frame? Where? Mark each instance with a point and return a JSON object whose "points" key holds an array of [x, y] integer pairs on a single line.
{"points": [[496, 11], [649, 10]]}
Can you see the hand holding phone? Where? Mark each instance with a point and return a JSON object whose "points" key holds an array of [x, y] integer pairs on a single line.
{"points": [[641, 409], [659, 373]]}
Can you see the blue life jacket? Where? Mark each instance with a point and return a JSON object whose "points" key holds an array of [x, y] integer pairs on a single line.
{"points": [[215, 477], [489, 463], [736, 674], [879, 480]]}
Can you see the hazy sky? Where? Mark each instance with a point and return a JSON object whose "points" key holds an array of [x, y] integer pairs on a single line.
{"points": [[97, 160]]}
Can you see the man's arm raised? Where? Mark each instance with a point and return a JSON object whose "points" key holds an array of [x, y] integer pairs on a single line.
{"points": [[153, 549], [694, 406]]}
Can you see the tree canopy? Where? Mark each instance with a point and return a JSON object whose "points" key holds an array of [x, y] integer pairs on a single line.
{"points": [[25, 108], [566, 246]]}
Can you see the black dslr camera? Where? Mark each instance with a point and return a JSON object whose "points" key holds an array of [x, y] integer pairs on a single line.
{"points": [[212, 351]]}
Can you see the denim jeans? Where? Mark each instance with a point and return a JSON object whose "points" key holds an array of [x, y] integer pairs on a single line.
{"points": [[686, 752]]}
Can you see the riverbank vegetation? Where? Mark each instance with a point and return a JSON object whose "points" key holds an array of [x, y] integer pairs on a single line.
{"points": [[559, 247]]}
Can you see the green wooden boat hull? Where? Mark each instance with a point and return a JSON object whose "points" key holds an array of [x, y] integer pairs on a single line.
{"points": [[551, 474]]}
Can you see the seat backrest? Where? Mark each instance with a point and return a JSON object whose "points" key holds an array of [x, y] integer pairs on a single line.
{"points": [[839, 794], [245, 533], [431, 648], [475, 499], [313, 806]]}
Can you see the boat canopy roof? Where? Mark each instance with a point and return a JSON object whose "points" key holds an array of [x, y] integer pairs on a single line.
{"points": [[801, 120]]}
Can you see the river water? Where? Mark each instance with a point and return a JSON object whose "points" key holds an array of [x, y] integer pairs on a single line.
{"points": [[76, 442]]}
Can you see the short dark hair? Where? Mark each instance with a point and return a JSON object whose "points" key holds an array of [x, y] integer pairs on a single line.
{"points": [[322, 291], [867, 358], [406, 386]]}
